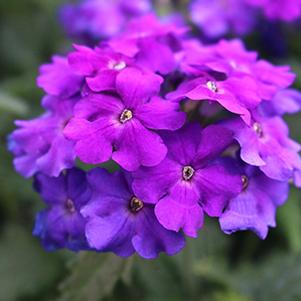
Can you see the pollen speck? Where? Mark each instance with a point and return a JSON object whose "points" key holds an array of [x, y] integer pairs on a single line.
{"points": [[212, 86], [187, 173], [136, 204], [125, 116]]}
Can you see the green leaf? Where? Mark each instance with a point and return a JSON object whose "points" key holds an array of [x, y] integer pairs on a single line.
{"points": [[11, 104], [93, 276], [277, 279], [25, 268], [289, 220]]}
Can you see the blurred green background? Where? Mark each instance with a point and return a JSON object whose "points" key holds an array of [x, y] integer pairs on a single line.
{"points": [[214, 267]]}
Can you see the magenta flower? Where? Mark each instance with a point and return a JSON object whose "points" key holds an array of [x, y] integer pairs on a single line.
{"points": [[120, 222], [229, 75], [99, 67], [122, 126], [255, 207], [61, 224], [152, 44], [39, 144], [58, 79], [93, 20], [217, 18], [189, 180]]}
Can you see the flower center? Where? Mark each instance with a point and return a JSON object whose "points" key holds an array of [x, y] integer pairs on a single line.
{"points": [[136, 205], [245, 182], [212, 86], [187, 173], [258, 129], [118, 66], [125, 116], [69, 205]]}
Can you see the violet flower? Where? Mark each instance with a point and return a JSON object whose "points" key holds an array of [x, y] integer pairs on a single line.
{"points": [[255, 207], [152, 43], [39, 144], [58, 79], [217, 18], [122, 126], [120, 222], [189, 180], [61, 224], [285, 10], [266, 144], [93, 20], [99, 66]]}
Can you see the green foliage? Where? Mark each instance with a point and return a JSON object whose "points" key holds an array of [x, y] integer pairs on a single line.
{"points": [[93, 277], [25, 268]]}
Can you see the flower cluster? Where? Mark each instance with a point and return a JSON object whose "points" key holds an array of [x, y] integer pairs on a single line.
{"points": [[92, 20], [216, 18], [195, 130]]}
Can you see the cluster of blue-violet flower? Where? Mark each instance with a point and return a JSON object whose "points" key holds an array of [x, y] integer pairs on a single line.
{"points": [[195, 130], [93, 20]]}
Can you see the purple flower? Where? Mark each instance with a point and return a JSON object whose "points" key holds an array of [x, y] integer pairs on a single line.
{"points": [[287, 101], [237, 95], [39, 144], [285, 10], [99, 66], [123, 126], [61, 224], [120, 222], [228, 74], [58, 79], [93, 20], [153, 44], [189, 180], [266, 144], [255, 207], [217, 18]]}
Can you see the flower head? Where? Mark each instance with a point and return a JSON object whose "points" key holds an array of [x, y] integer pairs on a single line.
{"points": [[123, 126], [189, 180], [39, 144], [255, 207], [220, 17], [120, 222], [93, 20], [61, 224]]}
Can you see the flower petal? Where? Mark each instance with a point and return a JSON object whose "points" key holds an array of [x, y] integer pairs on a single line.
{"points": [[138, 146], [136, 87], [160, 114]]}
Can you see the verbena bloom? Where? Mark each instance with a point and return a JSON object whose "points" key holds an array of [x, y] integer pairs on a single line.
{"points": [[217, 18], [228, 74], [285, 10], [138, 99], [120, 222], [61, 225], [99, 67], [189, 181], [58, 79], [93, 20], [255, 207], [153, 44], [123, 126], [287, 101], [266, 144], [39, 144]]}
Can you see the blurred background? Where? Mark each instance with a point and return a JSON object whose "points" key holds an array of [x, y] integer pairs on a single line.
{"points": [[214, 267]]}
